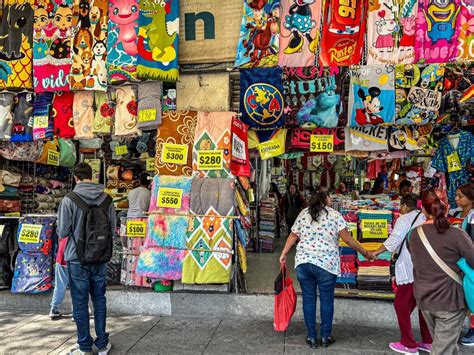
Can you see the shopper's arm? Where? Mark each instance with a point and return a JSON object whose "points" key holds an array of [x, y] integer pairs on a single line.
{"points": [[346, 237], [290, 241], [64, 218]]}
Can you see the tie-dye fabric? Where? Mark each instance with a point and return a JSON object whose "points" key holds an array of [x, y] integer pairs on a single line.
{"points": [[418, 93], [299, 32], [52, 37], [372, 95], [437, 31], [89, 46], [258, 44], [158, 40], [166, 231], [316, 97], [213, 132], [122, 41], [161, 263], [16, 43], [391, 32], [176, 182]]}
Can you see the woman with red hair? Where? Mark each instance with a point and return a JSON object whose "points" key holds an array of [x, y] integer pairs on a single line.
{"points": [[438, 295]]}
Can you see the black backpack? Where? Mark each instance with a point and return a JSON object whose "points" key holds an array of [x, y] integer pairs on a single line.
{"points": [[95, 244]]}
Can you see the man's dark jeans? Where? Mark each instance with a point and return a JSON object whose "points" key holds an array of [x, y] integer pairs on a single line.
{"points": [[313, 278], [85, 280]]}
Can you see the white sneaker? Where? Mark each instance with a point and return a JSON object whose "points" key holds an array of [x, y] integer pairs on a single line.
{"points": [[106, 350], [75, 350]]}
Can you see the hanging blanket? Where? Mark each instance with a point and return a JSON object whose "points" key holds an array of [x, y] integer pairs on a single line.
{"points": [[161, 263], [372, 96], [181, 183], [419, 91], [261, 98], [166, 231], [126, 120], [83, 114], [391, 32], [16, 43], [33, 273], [158, 37], [258, 44], [103, 118], [315, 97], [62, 115], [438, 30], [300, 34], [52, 38], [217, 193], [149, 105], [300, 139], [410, 137], [23, 118], [209, 241], [6, 115], [367, 138], [89, 46], [178, 127], [213, 134], [122, 41], [42, 117], [343, 32]]}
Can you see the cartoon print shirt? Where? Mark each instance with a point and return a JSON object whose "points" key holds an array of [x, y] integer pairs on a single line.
{"points": [[372, 96], [391, 31], [318, 241]]}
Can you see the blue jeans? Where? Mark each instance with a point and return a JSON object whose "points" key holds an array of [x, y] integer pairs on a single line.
{"points": [[312, 277], [61, 282], [85, 280]]}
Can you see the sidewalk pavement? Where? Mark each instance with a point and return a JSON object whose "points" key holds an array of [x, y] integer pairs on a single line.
{"points": [[37, 334]]}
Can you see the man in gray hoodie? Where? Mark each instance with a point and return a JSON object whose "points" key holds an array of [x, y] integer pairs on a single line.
{"points": [[85, 280]]}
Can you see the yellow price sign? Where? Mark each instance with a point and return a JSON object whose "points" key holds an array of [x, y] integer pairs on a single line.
{"points": [[169, 197], [136, 229], [210, 159], [121, 150], [30, 233], [53, 158], [150, 164], [271, 148], [454, 164], [12, 214], [147, 115], [41, 122], [174, 153], [323, 143], [374, 228]]}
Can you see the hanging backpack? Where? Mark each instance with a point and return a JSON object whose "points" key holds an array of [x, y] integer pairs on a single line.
{"points": [[95, 243]]}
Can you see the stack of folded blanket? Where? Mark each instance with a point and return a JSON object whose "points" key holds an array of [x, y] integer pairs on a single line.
{"points": [[348, 276], [374, 275], [267, 227]]}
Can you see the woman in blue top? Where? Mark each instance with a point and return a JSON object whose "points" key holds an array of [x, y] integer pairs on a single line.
{"points": [[318, 228]]}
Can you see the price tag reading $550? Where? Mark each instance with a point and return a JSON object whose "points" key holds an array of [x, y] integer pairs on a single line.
{"points": [[169, 197]]}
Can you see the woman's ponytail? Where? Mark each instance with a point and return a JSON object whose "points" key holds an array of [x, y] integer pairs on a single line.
{"points": [[435, 207]]}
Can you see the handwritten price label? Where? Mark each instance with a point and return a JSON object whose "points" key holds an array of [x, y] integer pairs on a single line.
{"points": [[121, 150], [147, 115], [41, 122], [12, 214], [53, 158], [169, 198], [270, 149], [30, 233], [174, 153], [322, 143], [150, 164], [454, 164], [136, 229], [210, 159]]}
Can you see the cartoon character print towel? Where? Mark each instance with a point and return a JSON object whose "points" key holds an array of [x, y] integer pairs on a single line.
{"points": [[89, 47], [299, 32], [438, 31], [52, 38], [372, 95], [418, 93], [258, 44], [391, 31], [158, 40], [16, 45], [122, 41]]}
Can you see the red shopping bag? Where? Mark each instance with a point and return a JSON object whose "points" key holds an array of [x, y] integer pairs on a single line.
{"points": [[284, 302]]}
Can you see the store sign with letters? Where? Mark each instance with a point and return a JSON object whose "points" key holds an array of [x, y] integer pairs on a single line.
{"points": [[169, 197], [174, 153], [136, 229], [374, 228], [30, 233], [210, 159], [271, 148]]}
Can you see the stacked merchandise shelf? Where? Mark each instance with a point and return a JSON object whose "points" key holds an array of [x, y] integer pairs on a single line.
{"points": [[267, 228]]}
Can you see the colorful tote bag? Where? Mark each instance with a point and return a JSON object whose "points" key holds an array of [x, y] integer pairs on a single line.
{"points": [[89, 46], [158, 40], [170, 187], [315, 97], [261, 98], [178, 127], [122, 41], [213, 134], [258, 44], [16, 43], [372, 95], [438, 31], [391, 32], [299, 32], [418, 93], [52, 38]]}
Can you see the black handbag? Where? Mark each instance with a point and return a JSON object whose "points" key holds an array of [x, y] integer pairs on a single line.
{"points": [[395, 256]]}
